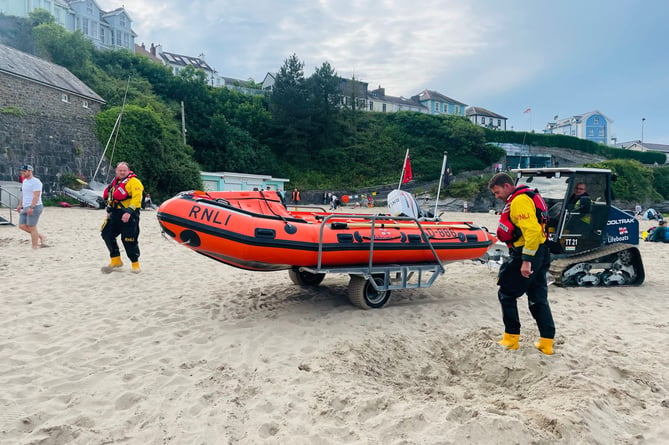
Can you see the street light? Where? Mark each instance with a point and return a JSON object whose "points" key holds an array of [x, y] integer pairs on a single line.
{"points": [[643, 121]]}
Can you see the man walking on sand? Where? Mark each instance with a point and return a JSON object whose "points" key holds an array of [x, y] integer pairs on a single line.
{"points": [[30, 208]]}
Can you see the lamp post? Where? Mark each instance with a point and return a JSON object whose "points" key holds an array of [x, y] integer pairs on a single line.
{"points": [[643, 121]]}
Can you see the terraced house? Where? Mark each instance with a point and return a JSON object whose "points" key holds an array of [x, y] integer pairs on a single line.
{"points": [[106, 29]]}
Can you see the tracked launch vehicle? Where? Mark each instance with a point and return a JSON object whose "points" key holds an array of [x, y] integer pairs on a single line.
{"points": [[596, 248]]}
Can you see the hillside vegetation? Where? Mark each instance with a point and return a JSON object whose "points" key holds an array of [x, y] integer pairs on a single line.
{"points": [[301, 131]]}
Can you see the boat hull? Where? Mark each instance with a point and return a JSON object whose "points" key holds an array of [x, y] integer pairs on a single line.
{"points": [[253, 231]]}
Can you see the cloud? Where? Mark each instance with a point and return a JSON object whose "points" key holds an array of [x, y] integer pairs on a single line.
{"points": [[400, 44], [504, 55]]}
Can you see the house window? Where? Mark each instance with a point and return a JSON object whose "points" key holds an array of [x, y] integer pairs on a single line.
{"points": [[499, 122], [457, 111], [591, 132], [122, 21], [595, 120], [102, 34], [371, 106], [84, 27], [65, 98], [383, 107], [436, 107], [85, 104], [483, 120], [89, 8], [601, 132]]}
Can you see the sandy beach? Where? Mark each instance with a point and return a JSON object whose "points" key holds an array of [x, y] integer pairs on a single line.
{"points": [[191, 351]]}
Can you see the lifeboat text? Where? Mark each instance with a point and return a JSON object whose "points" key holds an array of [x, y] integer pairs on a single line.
{"points": [[205, 214]]}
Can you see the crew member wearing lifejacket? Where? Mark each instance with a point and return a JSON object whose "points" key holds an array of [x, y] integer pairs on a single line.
{"points": [[579, 206], [525, 271], [295, 196], [124, 200]]}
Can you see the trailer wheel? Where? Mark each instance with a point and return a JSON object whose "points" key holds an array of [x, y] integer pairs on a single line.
{"points": [[305, 278], [361, 293]]}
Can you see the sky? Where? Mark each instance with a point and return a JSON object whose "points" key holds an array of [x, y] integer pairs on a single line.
{"points": [[560, 59]]}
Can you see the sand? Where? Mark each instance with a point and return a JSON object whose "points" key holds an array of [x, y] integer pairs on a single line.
{"points": [[191, 351]]}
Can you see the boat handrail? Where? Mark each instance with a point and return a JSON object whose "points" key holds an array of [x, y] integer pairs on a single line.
{"points": [[373, 219]]}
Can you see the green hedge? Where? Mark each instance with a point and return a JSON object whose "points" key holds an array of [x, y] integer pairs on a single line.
{"points": [[570, 142]]}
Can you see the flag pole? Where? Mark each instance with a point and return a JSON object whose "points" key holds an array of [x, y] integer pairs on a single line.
{"points": [[441, 180], [404, 166]]}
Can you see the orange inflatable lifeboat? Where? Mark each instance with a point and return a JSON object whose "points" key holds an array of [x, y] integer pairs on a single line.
{"points": [[253, 230]]}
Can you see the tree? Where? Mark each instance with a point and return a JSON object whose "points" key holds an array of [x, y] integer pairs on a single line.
{"points": [[323, 88], [634, 182], [290, 113], [40, 16], [151, 144], [56, 44]]}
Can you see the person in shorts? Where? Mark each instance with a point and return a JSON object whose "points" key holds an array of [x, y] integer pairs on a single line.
{"points": [[30, 208]]}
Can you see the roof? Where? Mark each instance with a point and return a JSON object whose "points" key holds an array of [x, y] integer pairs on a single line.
{"points": [[27, 66], [553, 170], [579, 118], [648, 146], [376, 94], [181, 60], [478, 111], [434, 95], [242, 175]]}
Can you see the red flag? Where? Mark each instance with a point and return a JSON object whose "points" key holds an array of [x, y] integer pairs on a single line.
{"points": [[408, 174], [527, 111]]}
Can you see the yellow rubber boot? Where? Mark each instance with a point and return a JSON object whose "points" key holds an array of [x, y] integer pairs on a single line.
{"points": [[510, 341], [115, 261], [135, 267], [545, 345]]}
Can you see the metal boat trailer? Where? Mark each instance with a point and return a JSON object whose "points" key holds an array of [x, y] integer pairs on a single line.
{"points": [[370, 285]]}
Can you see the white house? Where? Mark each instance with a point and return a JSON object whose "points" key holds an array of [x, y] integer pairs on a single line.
{"points": [[485, 118], [593, 126], [106, 29], [377, 100]]}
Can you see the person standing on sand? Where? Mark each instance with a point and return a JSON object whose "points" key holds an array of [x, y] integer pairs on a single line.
{"points": [[124, 200], [525, 270], [30, 208], [296, 198]]}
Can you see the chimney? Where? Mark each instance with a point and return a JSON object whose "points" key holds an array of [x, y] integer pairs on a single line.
{"points": [[153, 50]]}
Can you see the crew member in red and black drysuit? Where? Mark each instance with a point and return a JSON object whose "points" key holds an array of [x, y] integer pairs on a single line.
{"points": [[525, 271], [124, 200]]}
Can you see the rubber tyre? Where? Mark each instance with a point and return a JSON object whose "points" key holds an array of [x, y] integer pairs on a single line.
{"points": [[305, 278], [361, 293]]}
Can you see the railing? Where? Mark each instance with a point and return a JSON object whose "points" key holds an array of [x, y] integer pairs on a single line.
{"points": [[402, 272], [9, 201]]}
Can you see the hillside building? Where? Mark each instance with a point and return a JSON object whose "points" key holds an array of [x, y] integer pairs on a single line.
{"points": [[106, 29], [485, 118], [592, 126]]}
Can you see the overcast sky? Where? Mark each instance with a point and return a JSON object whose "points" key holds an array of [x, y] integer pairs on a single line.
{"points": [[558, 58]]}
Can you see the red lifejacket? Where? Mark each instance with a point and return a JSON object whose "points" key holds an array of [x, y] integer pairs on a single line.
{"points": [[118, 191], [507, 232]]}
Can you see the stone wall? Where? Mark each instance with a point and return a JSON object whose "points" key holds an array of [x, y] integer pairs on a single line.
{"points": [[38, 128]]}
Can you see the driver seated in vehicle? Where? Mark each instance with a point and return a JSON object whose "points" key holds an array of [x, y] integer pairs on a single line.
{"points": [[579, 206]]}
